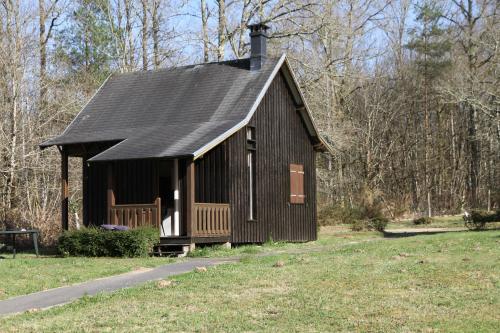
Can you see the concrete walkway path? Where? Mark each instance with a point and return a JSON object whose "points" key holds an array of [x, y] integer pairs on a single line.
{"points": [[63, 295]]}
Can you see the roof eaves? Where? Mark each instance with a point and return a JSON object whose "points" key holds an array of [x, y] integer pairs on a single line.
{"points": [[49, 143], [323, 146]]}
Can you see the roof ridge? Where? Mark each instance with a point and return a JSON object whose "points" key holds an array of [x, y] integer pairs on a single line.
{"points": [[167, 69]]}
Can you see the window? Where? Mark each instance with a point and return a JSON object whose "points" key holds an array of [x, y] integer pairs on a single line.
{"points": [[297, 184], [251, 147]]}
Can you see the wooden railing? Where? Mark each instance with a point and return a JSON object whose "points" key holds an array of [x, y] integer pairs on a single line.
{"points": [[211, 220], [136, 215]]}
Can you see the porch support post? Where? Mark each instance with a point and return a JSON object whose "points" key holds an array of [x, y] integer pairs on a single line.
{"points": [[85, 181], [176, 197], [189, 197], [64, 189], [110, 193]]}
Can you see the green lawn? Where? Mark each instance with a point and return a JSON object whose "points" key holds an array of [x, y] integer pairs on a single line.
{"points": [[448, 221], [349, 282], [27, 274]]}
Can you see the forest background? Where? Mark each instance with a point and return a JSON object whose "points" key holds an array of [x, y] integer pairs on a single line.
{"points": [[405, 91]]}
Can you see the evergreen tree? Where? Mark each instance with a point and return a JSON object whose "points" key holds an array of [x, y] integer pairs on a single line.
{"points": [[87, 44], [431, 48]]}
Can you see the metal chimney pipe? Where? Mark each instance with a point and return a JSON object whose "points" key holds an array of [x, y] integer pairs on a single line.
{"points": [[258, 45]]}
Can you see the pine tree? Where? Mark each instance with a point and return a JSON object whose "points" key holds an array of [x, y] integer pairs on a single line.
{"points": [[87, 44], [431, 48]]}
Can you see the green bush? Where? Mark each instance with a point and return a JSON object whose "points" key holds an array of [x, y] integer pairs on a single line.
{"points": [[359, 225], [477, 219], [93, 242], [422, 220], [336, 214], [485, 216], [377, 223]]}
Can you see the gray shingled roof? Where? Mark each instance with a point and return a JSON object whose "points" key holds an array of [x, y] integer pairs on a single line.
{"points": [[170, 112]]}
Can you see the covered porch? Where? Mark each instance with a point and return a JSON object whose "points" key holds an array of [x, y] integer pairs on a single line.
{"points": [[168, 194]]}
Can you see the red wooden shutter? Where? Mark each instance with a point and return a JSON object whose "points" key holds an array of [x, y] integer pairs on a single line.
{"points": [[297, 184]]}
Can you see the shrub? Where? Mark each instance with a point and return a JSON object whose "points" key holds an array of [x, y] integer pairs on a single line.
{"points": [[377, 223], [422, 220], [93, 242], [367, 214], [358, 225], [477, 219], [336, 214], [485, 216]]}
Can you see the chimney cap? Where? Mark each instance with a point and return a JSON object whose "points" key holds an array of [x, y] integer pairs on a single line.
{"points": [[258, 27]]}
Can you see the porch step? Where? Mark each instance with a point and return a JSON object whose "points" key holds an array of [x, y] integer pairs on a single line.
{"points": [[170, 250], [168, 253]]}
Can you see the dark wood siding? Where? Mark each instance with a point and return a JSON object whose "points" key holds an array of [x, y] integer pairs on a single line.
{"points": [[95, 194], [136, 182], [211, 176], [281, 140]]}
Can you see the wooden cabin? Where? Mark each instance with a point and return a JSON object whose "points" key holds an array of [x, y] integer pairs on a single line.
{"points": [[209, 153]]}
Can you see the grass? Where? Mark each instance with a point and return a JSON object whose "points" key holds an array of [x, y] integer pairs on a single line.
{"points": [[349, 282], [27, 274], [447, 221], [329, 236]]}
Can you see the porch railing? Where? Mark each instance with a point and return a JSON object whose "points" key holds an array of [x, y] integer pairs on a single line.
{"points": [[211, 220], [136, 215]]}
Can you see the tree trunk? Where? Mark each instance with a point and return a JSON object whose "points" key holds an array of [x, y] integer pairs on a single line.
{"points": [[145, 35], [221, 30], [204, 29], [13, 40], [474, 157], [43, 57], [156, 30], [130, 38]]}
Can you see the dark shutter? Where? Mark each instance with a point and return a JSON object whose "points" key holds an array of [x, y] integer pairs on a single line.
{"points": [[297, 195]]}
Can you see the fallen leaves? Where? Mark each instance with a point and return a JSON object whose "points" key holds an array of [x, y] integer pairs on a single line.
{"points": [[201, 269], [164, 284], [279, 263]]}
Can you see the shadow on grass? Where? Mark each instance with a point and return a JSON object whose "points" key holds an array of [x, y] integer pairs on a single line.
{"points": [[402, 234]]}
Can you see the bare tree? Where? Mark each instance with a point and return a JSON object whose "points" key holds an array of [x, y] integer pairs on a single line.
{"points": [[221, 30], [44, 36], [204, 29], [470, 19], [155, 17], [145, 35], [130, 37]]}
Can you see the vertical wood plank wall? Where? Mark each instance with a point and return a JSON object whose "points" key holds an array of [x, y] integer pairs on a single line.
{"points": [[136, 182], [95, 195], [281, 139], [211, 176]]}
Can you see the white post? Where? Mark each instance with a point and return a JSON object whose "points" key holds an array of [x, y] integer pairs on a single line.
{"points": [[177, 201]]}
